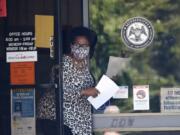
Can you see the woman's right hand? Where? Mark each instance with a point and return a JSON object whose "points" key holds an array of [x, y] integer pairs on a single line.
{"points": [[90, 92]]}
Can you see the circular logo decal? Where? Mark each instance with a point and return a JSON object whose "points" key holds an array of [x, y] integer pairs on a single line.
{"points": [[137, 33], [141, 94]]}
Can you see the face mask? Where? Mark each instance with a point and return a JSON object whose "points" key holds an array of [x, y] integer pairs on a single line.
{"points": [[79, 51]]}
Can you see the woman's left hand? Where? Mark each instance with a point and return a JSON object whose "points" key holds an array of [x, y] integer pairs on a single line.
{"points": [[90, 92]]}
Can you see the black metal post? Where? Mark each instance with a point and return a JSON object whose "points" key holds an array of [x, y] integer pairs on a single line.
{"points": [[58, 60]]}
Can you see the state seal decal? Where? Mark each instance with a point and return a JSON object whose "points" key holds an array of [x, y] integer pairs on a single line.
{"points": [[137, 33]]}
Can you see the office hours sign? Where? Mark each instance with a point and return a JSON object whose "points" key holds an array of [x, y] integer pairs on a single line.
{"points": [[20, 45]]}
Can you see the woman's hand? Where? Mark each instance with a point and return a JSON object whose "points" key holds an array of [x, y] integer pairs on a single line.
{"points": [[90, 92]]}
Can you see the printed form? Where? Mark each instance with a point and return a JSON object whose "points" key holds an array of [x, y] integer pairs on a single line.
{"points": [[107, 89]]}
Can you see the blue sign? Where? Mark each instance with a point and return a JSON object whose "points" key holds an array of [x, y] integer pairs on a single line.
{"points": [[23, 102]]}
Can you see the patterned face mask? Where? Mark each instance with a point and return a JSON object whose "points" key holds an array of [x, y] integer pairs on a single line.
{"points": [[80, 51]]}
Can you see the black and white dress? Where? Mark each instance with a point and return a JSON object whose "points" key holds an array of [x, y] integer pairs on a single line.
{"points": [[77, 110]]}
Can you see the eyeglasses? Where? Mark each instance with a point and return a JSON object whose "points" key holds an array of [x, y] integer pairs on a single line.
{"points": [[81, 45]]}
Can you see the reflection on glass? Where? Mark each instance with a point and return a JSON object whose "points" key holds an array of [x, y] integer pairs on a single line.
{"points": [[157, 65]]}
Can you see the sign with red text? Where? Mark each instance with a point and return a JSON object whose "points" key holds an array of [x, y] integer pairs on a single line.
{"points": [[121, 93], [141, 97], [26, 56]]}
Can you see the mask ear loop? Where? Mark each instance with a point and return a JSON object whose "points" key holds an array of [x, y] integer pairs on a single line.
{"points": [[88, 60]]}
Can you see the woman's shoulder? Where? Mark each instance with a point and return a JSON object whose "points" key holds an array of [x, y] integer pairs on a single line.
{"points": [[67, 60]]}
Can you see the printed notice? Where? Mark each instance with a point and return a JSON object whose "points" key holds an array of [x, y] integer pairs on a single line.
{"points": [[141, 97], [22, 73], [23, 112], [20, 45], [107, 89], [121, 93], [170, 100]]}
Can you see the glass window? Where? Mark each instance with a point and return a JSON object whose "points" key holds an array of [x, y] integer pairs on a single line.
{"points": [[135, 64]]}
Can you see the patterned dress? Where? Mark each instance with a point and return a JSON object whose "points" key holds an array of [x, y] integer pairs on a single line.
{"points": [[77, 110]]}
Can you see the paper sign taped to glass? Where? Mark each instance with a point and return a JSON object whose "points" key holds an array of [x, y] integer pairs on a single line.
{"points": [[23, 111], [107, 89], [116, 65]]}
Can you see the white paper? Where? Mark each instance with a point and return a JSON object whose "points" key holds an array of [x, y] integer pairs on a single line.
{"points": [[24, 126], [170, 100], [25, 56], [121, 93], [107, 89], [116, 65], [141, 97]]}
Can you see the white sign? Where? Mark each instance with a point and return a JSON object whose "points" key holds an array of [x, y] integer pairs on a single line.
{"points": [[23, 126], [141, 97], [26, 56], [170, 100], [23, 112], [121, 93], [116, 65], [107, 89]]}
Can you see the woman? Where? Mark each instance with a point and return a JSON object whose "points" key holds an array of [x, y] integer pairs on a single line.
{"points": [[78, 83]]}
